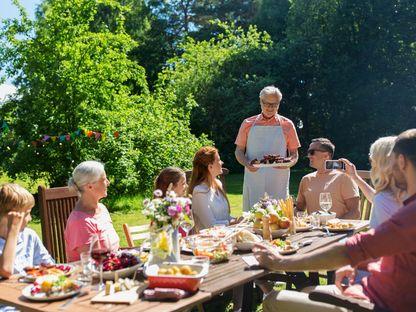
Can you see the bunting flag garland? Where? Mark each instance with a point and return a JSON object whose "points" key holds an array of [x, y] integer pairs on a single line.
{"points": [[97, 136], [45, 139]]}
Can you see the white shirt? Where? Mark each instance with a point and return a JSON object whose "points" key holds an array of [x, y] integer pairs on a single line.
{"points": [[209, 207], [384, 206], [29, 251]]}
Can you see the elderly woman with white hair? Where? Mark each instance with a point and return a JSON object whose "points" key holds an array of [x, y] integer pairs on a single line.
{"points": [[89, 218], [260, 135]]}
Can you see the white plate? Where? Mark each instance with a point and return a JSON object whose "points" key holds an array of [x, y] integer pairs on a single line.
{"points": [[341, 230], [126, 272], [244, 246], [271, 165], [304, 228], [31, 278], [289, 252], [41, 297], [275, 233]]}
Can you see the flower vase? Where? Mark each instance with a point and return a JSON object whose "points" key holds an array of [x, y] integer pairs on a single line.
{"points": [[164, 244]]}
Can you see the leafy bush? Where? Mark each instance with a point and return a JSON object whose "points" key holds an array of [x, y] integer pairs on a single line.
{"points": [[74, 74]]}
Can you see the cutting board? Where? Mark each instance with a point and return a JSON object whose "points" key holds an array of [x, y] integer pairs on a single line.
{"points": [[127, 296]]}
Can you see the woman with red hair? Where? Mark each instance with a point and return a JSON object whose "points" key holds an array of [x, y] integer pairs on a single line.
{"points": [[210, 205]]}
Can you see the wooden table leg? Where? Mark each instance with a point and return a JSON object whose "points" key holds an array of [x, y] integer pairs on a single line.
{"points": [[247, 297]]}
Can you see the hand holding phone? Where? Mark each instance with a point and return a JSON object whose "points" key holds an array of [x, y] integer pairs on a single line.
{"points": [[334, 164]]}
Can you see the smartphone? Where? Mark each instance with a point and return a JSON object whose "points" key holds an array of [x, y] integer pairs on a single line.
{"points": [[334, 164]]}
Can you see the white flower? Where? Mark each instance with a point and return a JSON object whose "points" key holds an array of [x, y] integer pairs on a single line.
{"points": [[158, 193]]}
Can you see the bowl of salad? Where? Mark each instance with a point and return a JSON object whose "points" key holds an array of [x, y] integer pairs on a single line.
{"points": [[217, 250]]}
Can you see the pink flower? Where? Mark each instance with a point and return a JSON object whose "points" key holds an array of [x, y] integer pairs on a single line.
{"points": [[178, 209], [188, 209], [172, 211]]}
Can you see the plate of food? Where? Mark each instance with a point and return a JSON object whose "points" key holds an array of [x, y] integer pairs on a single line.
{"points": [[122, 263], [276, 211], [32, 273], [285, 247], [336, 225], [302, 226], [51, 288], [246, 240], [215, 249], [271, 161]]}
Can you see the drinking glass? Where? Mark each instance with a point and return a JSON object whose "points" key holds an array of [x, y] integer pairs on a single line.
{"points": [[99, 252], [325, 201], [85, 268], [315, 221], [187, 224]]}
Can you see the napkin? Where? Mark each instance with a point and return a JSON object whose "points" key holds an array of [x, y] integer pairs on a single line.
{"points": [[251, 261]]}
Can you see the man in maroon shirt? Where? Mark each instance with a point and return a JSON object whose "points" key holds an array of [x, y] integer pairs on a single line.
{"points": [[389, 252]]}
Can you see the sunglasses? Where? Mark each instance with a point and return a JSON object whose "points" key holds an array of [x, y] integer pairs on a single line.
{"points": [[312, 151]]}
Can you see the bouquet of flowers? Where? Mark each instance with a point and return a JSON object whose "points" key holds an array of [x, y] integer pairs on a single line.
{"points": [[170, 210], [166, 214]]}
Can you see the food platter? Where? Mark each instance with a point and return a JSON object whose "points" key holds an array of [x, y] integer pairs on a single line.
{"points": [[275, 233], [272, 165], [26, 292], [32, 273], [290, 251], [51, 288]]}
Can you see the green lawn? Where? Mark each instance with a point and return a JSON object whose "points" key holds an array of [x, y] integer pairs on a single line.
{"points": [[126, 209]]}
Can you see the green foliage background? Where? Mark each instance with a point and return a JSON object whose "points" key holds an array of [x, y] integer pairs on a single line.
{"points": [[174, 75]]}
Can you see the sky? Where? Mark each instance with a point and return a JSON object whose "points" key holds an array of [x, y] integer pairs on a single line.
{"points": [[7, 10]]}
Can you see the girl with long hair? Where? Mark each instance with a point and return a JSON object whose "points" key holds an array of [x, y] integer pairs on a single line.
{"points": [[210, 205]]}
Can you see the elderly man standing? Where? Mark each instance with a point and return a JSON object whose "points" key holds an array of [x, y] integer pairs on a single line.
{"points": [[388, 252], [344, 192], [263, 134]]}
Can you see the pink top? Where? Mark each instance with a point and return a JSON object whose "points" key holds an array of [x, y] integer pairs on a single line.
{"points": [[81, 227], [392, 282], [289, 131]]}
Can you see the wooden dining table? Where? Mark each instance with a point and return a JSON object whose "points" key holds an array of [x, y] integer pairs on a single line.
{"points": [[221, 278]]}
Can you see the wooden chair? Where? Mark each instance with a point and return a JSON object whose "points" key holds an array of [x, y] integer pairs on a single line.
{"points": [[365, 205], [55, 206], [135, 233], [225, 171]]}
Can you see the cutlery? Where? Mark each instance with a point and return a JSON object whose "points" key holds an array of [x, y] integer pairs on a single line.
{"points": [[68, 302]]}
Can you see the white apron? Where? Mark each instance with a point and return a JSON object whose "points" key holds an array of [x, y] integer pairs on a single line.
{"points": [[263, 140]]}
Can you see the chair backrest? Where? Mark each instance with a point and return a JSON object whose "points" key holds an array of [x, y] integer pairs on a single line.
{"points": [[365, 205], [55, 206], [225, 171], [135, 233]]}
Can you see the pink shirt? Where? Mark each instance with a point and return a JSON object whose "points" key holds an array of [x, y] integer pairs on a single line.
{"points": [[392, 282], [81, 227], [289, 131]]}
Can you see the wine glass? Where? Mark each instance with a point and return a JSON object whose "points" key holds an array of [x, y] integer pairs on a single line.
{"points": [[99, 252], [187, 224], [325, 201]]}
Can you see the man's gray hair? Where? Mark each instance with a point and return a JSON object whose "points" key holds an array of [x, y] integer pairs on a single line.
{"points": [[270, 90]]}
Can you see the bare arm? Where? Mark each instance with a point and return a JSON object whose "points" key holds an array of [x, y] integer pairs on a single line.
{"points": [[15, 220], [240, 155], [353, 206], [300, 200], [327, 258], [351, 171]]}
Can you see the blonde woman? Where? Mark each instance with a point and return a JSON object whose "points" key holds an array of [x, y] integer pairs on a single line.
{"points": [[386, 194]]}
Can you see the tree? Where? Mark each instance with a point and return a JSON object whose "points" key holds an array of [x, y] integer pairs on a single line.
{"points": [[72, 71]]}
